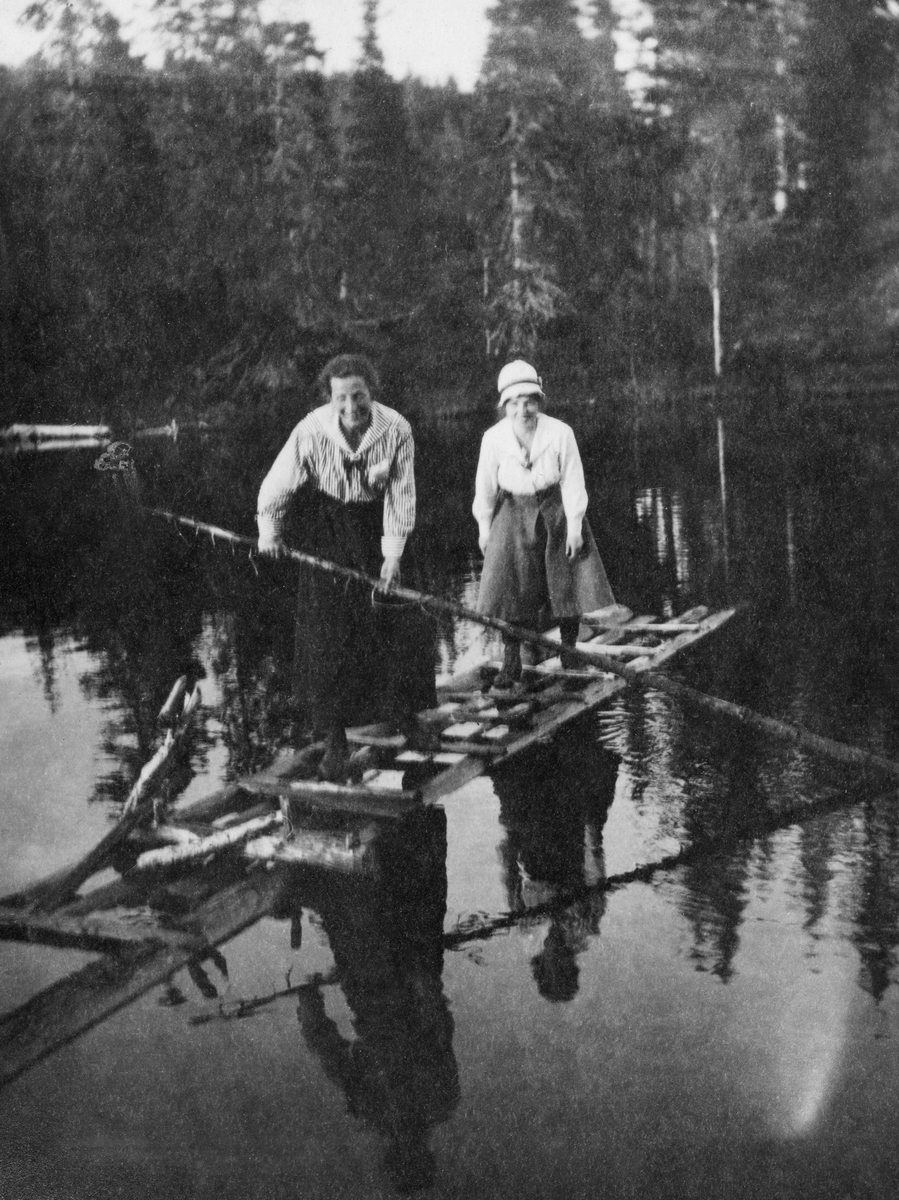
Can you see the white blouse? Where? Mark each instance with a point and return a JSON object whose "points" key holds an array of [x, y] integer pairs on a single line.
{"points": [[505, 465], [318, 453]]}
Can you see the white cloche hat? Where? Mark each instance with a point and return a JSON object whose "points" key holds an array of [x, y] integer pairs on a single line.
{"points": [[518, 378]]}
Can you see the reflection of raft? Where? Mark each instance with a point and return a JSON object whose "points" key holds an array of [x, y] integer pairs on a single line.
{"points": [[217, 865]]}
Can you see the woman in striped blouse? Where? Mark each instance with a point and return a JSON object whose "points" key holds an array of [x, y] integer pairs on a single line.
{"points": [[350, 464]]}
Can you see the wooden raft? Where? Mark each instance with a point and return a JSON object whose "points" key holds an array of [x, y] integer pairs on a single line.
{"points": [[151, 922]]}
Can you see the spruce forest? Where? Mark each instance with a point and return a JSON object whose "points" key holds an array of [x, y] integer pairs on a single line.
{"points": [[194, 239]]}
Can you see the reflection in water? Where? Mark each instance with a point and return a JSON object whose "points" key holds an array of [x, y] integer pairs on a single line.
{"points": [[802, 926], [553, 814], [399, 1072]]}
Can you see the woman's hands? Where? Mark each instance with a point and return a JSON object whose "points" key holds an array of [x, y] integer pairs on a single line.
{"points": [[271, 546], [574, 544], [390, 573]]}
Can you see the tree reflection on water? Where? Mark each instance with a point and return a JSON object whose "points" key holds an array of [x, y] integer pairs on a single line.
{"points": [[787, 861]]}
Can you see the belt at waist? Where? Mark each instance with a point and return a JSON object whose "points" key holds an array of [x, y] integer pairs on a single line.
{"points": [[541, 497]]}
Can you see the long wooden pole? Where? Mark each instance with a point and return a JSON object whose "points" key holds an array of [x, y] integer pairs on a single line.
{"points": [[852, 755]]}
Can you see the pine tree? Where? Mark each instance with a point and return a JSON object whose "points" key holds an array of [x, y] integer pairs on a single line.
{"points": [[534, 99], [382, 191]]}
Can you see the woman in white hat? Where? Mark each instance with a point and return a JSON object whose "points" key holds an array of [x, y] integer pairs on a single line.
{"points": [[540, 559]]}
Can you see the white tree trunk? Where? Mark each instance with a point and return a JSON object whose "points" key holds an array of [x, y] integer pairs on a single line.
{"points": [[715, 284]]}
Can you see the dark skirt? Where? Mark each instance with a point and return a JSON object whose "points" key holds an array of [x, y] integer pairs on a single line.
{"points": [[357, 658], [527, 578]]}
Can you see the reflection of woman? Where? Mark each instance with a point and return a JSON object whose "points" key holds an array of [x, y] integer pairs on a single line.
{"points": [[554, 816], [399, 1073], [530, 505], [353, 460]]}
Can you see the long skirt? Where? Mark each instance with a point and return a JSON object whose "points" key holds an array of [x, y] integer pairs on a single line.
{"points": [[358, 658], [527, 577]]}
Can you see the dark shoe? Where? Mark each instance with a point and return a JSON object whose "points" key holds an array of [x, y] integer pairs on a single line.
{"points": [[510, 672], [418, 735], [569, 628], [335, 760]]}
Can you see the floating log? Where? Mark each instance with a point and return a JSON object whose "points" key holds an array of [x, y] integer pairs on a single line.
{"points": [[52, 892], [202, 848], [312, 848], [51, 444], [343, 798], [92, 931], [40, 432], [69, 1008], [168, 714]]}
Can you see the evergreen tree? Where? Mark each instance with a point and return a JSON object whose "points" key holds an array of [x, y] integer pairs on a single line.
{"points": [[382, 270], [534, 99]]}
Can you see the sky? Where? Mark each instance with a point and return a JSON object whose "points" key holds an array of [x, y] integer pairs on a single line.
{"points": [[432, 39]]}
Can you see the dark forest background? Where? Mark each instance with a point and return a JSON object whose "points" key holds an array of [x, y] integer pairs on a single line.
{"points": [[193, 240]]}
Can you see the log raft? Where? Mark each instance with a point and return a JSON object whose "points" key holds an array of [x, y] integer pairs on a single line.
{"points": [[193, 884]]}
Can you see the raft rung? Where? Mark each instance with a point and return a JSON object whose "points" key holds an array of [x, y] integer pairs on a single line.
{"points": [[338, 797], [463, 731], [474, 749]]}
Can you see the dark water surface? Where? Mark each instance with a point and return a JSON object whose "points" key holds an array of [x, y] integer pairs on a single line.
{"points": [[726, 1028]]}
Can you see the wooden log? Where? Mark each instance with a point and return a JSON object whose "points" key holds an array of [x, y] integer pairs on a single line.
{"points": [[314, 848], [52, 892], [168, 714], [369, 736], [96, 932], [163, 835], [648, 625], [342, 798], [49, 445], [203, 848], [437, 603], [454, 777], [69, 1008], [614, 633], [479, 749], [36, 432], [781, 730], [622, 651]]}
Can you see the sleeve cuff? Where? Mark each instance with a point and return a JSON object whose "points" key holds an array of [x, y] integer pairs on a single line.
{"points": [[269, 526], [392, 547]]}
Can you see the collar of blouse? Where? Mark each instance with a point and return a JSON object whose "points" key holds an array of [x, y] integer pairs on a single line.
{"points": [[538, 446], [376, 428]]}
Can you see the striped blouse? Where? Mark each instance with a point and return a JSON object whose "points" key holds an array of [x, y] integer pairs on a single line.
{"points": [[318, 454]]}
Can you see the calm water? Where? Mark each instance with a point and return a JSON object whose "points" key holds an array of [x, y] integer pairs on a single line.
{"points": [[728, 1028]]}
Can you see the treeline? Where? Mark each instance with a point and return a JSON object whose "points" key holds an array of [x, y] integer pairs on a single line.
{"points": [[198, 237]]}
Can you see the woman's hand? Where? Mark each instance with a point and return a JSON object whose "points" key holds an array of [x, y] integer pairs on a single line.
{"points": [[272, 546], [574, 545], [390, 573]]}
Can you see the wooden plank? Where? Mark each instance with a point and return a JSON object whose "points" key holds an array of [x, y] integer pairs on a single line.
{"points": [[223, 840], [94, 932], [333, 797], [63, 1012], [594, 695], [366, 736], [621, 651], [649, 625], [613, 632], [706, 626], [479, 749], [454, 778], [315, 848]]}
